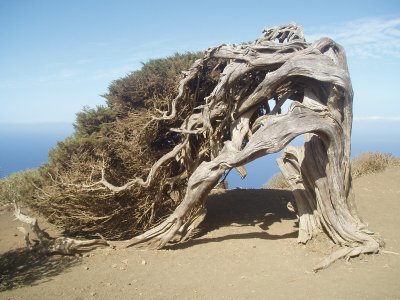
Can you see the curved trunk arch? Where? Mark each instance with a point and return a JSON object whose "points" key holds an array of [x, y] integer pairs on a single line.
{"points": [[277, 66], [317, 163]]}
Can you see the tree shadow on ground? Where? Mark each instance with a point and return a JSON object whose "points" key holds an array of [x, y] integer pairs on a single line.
{"points": [[22, 267], [244, 207]]}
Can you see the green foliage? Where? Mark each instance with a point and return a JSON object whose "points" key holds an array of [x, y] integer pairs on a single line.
{"points": [[110, 131], [93, 120], [154, 84], [20, 187], [92, 130]]}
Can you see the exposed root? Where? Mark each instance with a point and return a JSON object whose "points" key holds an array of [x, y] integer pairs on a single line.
{"points": [[157, 237], [347, 253], [172, 229], [188, 229]]}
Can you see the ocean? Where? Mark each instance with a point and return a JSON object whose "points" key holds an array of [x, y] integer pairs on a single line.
{"points": [[367, 136], [24, 146]]}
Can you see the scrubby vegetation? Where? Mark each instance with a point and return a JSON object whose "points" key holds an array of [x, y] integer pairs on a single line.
{"points": [[123, 140], [365, 163], [277, 182], [372, 162], [20, 186]]}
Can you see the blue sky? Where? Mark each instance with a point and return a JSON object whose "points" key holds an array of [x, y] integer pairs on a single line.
{"points": [[58, 56]]}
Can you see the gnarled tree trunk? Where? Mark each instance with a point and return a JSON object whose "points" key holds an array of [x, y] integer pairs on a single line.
{"points": [[241, 120]]}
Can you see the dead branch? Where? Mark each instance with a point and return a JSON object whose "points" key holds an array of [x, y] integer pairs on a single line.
{"points": [[49, 245]]}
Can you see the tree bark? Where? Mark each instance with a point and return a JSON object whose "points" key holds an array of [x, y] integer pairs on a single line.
{"points": [[279, 66]]}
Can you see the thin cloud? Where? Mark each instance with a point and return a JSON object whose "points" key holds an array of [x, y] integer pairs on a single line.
{"points": [[378, 118], [62, 74], [112, 73], [366, 38], [58, 76]]}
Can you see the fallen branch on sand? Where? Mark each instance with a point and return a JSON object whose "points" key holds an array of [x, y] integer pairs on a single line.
{"points": [[49, 245]]}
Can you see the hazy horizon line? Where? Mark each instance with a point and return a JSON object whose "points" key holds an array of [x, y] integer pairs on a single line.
{"points": [[355, 118], [36, 123]]}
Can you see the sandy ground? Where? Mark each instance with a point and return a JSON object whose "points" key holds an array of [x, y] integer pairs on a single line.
{"points": [[247, 250]]}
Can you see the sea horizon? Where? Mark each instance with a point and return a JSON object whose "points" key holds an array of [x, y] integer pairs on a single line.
{"points": [[26, 146]]}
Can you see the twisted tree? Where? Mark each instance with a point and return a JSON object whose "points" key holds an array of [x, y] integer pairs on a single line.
{"points": [[228, 112]]}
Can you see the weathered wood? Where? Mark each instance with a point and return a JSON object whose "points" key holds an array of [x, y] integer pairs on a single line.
{"points": [[279, 66], [291, 168], [49, 245]]}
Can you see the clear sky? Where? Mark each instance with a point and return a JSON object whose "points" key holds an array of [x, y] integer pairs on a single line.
{"points": [[58, 56]]}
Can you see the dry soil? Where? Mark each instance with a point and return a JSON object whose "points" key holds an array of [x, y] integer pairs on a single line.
{"points": [[246, 250]]}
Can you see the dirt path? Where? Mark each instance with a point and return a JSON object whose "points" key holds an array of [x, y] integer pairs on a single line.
{"points": [[248, 251]]}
